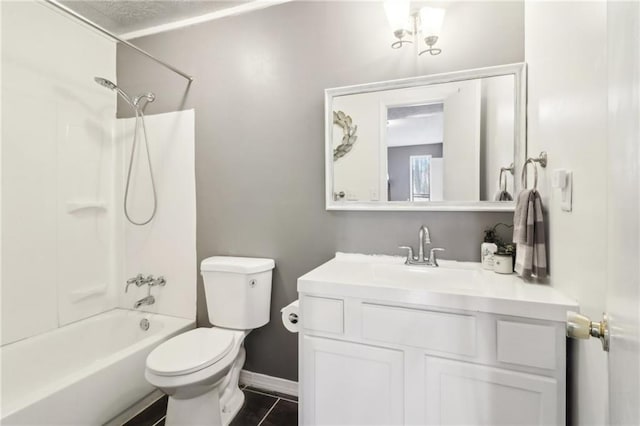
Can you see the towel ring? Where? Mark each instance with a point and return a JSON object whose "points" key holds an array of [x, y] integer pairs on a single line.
{"points": [[509, 169], [542, 160], [503, 186]]}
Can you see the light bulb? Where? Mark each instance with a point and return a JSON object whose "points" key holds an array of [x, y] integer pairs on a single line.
{"points": [[431, 19], [397, 14]]}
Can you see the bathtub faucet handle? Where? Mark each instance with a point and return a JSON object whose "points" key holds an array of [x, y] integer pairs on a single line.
{"points": [[161, 281], [138, 280]]}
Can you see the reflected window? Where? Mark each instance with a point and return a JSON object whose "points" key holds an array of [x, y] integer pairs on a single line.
{"points": [[419, 172]]}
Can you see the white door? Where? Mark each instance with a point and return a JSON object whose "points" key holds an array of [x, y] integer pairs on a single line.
{"points": [[461, 143], [623, 230], [461, 393], [351, 384]]}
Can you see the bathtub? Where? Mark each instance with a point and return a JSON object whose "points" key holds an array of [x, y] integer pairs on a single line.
{"points": [[85, 373]]}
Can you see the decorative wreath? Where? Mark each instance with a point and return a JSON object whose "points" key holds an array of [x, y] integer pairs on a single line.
{"points": [[349, 134]]}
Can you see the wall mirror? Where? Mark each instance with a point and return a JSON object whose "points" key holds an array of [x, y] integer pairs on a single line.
{"points": [[453, 141]]}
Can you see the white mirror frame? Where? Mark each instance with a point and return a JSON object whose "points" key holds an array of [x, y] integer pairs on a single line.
{"points": [[518, 70]]}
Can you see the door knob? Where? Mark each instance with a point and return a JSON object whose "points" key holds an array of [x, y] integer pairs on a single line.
{"points": [[581, 327]]}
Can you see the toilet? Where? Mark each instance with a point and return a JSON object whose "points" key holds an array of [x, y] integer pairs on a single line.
{"points": [[199, 369]]}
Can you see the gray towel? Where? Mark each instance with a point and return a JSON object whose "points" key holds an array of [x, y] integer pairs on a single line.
{"points": [[528, 234]]}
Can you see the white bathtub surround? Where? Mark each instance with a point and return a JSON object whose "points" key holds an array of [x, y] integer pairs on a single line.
{"points": [[166, 246], [57, 154], [66, 252], [84, 373]]}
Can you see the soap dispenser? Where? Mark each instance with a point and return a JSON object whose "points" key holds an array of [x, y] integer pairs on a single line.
{"points": [[488, 249]]}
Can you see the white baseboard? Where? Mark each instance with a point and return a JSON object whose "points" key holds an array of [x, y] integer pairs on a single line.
{"points": [[270, 383]]}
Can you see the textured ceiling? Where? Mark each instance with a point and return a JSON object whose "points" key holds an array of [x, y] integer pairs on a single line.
{"points": [[124, 16]]}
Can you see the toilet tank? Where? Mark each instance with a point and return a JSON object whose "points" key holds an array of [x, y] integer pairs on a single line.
{"points": [[237, 290]]}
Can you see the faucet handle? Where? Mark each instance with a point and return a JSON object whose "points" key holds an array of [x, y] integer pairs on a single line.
{"points": [[161, 281], [138, 280], [432, 255], [135, 279], [409, 253]]}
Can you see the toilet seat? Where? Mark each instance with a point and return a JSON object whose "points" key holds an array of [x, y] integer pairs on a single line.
{"points": [[189, 352]]}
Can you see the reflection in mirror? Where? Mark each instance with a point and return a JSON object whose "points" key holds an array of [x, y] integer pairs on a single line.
{"points": [[446, 142], [414, 144], [420, 177], [467, 130]]}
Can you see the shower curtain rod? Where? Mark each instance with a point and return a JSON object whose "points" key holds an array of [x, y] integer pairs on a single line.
{"points": [[65, 9]]}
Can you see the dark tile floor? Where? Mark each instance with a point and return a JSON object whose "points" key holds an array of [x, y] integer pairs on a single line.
{"points": [[261, 408]]}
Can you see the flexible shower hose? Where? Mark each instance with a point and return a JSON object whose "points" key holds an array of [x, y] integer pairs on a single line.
{"points": [[140, 119]]}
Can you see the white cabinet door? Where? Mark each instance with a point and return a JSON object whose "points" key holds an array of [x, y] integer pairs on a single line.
{"points": [[458, 393], [351, 384]]}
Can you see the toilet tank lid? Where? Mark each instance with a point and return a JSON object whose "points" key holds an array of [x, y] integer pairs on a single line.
{"points": [[241, 265]]}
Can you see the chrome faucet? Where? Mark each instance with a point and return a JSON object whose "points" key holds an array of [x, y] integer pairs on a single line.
{"points": [[424, 237], [149, 300], [140, 280]]}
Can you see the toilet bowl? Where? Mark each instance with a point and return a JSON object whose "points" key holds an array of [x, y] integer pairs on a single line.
{"points": [[199, 370]]}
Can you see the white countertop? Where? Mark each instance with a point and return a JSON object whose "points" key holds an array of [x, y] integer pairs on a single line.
{"points": [[454, 285]]}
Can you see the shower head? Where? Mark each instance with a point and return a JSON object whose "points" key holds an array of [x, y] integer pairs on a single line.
{"points": [[105, 83], [112, 86], [134, 102]]}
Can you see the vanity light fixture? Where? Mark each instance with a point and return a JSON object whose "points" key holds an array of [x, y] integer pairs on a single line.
{"points": [[425, 23]]}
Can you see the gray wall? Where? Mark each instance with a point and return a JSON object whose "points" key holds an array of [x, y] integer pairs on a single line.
{"points": [[258, 97], [398, 167]]}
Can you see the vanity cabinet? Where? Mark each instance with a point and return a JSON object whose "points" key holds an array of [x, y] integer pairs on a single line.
{"points": [[384, 343], [364, 362]]}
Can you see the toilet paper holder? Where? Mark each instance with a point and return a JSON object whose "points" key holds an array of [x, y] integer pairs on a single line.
{"points": [[291, 317]]}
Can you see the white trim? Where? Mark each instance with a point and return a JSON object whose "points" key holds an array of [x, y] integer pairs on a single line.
{"points": [[231, 11], [430, 206], [518, 70], [269, 383]]}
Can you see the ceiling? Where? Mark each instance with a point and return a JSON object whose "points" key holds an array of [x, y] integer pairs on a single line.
{"points": [[125, 16], [414, 111]]}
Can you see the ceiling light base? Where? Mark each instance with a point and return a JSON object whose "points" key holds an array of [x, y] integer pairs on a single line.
{"points": [[430, 41], [400, 35]]}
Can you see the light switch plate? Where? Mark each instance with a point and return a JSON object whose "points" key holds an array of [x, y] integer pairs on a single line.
{"points": [[563, 180]]}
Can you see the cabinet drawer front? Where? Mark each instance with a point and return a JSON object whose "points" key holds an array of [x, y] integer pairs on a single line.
{"points": [[437, 331], [323, 314], [532, 345]]}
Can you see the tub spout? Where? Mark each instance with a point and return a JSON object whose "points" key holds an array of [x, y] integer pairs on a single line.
{"points": [[149, 300]]}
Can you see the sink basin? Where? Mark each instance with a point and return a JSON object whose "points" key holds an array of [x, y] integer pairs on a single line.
{"points": [[453, 285], [449, 276]]}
